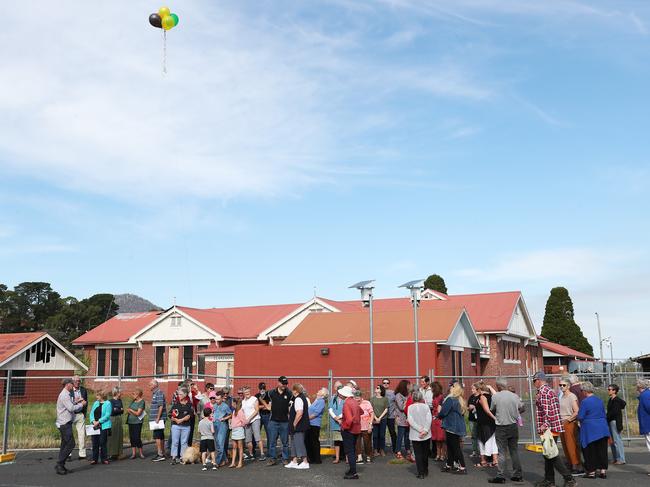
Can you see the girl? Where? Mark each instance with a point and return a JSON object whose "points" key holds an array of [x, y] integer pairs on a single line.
{"points": [[437, 433], [134, 411], [237, 423], [100, 419]]}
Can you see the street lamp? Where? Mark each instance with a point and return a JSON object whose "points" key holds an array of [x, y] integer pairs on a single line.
{"points": [[366, 287], [416, 288], [608, 341]]}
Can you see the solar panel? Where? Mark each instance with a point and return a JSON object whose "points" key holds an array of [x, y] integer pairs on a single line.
{"points": [[413, 284], [363, 285]]}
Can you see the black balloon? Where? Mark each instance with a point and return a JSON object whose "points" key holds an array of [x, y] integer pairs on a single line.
{"points": [[155, 20]]}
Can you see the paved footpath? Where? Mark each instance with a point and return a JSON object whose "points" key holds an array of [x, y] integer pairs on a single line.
{"points": [[35, 469]]}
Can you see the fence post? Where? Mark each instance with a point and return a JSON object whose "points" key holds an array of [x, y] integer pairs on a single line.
{"points": [[330, 385], [228, 377], [5, 431], [623, 381], [533, 417], [119, 381]]}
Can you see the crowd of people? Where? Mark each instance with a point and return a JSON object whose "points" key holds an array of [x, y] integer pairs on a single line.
{"points": [[423, 420]]}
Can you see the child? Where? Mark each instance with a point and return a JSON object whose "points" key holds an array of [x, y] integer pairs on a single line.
{"points": [[237, 423], [206, 430]]}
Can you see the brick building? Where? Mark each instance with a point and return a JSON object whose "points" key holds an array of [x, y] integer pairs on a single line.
{"points": [[204, 342], [31, 356]]}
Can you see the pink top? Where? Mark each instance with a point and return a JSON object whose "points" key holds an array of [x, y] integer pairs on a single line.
{"points": [[366, 415], [238, 420]]}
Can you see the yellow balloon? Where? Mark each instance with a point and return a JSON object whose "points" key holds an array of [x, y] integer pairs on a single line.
{"points": [[163, 12], [168, 22]]}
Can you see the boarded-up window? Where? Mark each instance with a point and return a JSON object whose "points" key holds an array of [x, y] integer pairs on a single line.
{"points": [[201, 361], [115, 362], [160, 361]]}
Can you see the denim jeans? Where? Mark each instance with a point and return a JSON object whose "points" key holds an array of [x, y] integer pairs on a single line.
{"points": [[618, 452], [265, 424], [403, 439], [390, 426], [180, 435], [507, 437], [280, 428], [379, 435], [220, 431]]}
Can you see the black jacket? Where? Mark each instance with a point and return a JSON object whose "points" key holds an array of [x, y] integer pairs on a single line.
{"points": [[615, 408], [84, 396]]}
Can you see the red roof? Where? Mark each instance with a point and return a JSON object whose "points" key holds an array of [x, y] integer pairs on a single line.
{"points": [[12, 343], [118, 329], [242, 323], [389, 326], [489, 312], [564, 350]]}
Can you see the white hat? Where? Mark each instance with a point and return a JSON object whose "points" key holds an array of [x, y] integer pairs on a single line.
{"points": [[346, 391]]}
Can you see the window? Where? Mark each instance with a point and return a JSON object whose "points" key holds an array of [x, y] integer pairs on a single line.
{"points": [[201, 361], [456, 364], [115, 362], [175, 322], [188, 356], [128, 362], [475, 358], [101, 362], [17, 383], [160, 361]]}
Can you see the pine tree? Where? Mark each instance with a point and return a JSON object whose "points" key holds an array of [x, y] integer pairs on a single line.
{"points": [[435, 283], [559, 323]]}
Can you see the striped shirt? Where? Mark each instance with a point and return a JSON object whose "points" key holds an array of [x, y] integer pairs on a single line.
{"points": [[548, 410], [157, 400]]}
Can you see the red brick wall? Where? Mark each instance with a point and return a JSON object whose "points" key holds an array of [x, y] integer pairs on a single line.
{"points": [[495, 365], [37, 390]]}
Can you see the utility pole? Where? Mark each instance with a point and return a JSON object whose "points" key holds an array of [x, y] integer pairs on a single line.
{"points": [[600, 340]]}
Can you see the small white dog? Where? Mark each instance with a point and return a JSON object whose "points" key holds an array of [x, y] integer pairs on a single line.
{"points": [[191, 455]]}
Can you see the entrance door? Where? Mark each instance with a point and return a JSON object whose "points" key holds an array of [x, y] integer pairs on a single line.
{"points": [[172, 363]]}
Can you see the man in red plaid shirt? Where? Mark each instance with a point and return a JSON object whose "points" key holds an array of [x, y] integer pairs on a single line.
{"points": [[548, 418]]}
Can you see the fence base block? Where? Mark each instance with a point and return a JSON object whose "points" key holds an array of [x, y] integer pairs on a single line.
{"points": [[327, 451], [7, 457], [535, 448]]}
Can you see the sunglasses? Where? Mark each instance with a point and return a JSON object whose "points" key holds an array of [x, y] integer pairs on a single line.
{"points": [[564, 385], [385, 383]]}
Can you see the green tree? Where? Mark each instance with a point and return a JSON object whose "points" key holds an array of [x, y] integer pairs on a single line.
{"points": [[77, 317], [29, 306], [559, 324], [435, 283]]}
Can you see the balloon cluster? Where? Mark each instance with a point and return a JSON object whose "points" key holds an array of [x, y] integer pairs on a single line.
{"points": [[164, 19]]}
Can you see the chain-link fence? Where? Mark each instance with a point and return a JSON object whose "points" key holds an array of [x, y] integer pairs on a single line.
{"points": [[29, 411]]}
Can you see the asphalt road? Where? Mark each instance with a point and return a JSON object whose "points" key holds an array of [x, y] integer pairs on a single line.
{"points": [[36, 468]]}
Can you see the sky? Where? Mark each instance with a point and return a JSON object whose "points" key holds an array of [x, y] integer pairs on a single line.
{"points": [[296, 147]]}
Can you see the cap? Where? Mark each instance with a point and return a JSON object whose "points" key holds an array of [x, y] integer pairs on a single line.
{"points": [[346, 391], [283, 380], [351, 381], [539, 376], [261, 385], [66, 381], [452, 382], [212, 394]]}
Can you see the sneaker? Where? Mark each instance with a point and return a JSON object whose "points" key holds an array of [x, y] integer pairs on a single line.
{"points": [[262, 458], [497, 480], [517, 480], [205, 468], [577, 473], [351, 476], [158, 458], [214, 467], [302, 466], [291, 464], [173, 462], [271, 462]]}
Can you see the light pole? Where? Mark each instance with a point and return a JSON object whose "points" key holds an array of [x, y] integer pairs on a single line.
{"points": [[600, 339], [366, 287], [415, 287], [608, 341]]}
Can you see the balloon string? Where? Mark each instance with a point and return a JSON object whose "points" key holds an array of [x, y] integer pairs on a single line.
{"points": [[164, 60]]}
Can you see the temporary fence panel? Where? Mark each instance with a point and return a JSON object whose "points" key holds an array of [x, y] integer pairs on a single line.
{"points": [[32, 400]]}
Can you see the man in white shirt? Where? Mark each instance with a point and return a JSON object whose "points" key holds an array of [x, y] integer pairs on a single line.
{"points": [[425, 389], [251, 408]]}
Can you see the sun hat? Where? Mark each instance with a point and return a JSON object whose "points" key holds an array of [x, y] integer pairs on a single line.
{"points": [[346, 391]]}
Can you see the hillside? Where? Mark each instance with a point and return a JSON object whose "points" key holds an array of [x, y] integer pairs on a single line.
{"points": [[130, 303]]}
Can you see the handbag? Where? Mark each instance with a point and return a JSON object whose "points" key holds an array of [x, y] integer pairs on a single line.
{"points": [[549, 446]]}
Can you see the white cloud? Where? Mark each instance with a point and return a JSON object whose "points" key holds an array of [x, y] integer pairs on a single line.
{"points": [[247, 108]]}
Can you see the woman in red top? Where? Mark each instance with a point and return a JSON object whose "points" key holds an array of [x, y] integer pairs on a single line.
{"points": [[437, 433], [350, 429]]}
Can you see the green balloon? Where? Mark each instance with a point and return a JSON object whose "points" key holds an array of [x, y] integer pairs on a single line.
{"points": [[175, 17]]}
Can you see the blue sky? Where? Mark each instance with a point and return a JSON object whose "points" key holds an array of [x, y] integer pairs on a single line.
{"points": [[292, 145]]}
